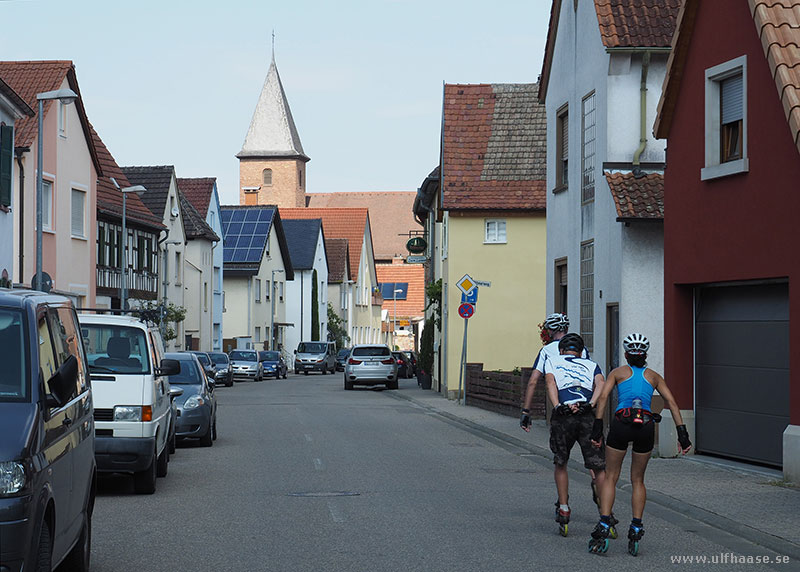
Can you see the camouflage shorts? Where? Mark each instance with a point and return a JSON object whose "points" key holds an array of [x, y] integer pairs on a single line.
{"points": [[565, 430]]}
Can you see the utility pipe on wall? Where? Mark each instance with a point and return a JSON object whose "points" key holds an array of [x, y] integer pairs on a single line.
{"points": [[637, 171]]}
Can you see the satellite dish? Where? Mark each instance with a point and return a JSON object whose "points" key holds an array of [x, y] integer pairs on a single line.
{"points": [[174, 211], [47, 283]]}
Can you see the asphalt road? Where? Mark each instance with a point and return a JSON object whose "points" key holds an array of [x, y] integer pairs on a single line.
{"points": [[307, 476]]}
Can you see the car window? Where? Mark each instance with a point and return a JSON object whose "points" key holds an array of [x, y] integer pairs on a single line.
{"points": [[312, 348], [243, 355], [203, 359], [371, 351], [219, 358], [116, 349], [68, 342], [343, 353], [14, 382], [188, 375], [268, 356]]}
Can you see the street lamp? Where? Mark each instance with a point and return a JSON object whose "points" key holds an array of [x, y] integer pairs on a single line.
{"points": [[123, 297], [66, 96], [394, 330], [272, 308]]}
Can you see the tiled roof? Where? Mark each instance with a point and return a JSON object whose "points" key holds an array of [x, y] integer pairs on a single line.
{"points": [[195, 225], [199, 192], [391, 216], [157, 181], [275, 224], [301, 238], [349, 223], [637, 23], [31, 77], [413, 274], [494, 149], [109, 198], [14, 97], [637, 198], [337, 251]]}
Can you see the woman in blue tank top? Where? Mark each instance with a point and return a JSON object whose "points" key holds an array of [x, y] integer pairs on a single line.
{"points": [[633, 422]]}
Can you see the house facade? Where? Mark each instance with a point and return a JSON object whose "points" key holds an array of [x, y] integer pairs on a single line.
{"points": [[257, 268], [69, 174], [340, 286], [603, 70], [309, 289], [732, 309], [12, 108]]}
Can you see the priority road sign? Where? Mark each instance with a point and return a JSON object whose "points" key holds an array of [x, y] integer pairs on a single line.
{"points": [[466, 284], [466, 311]]}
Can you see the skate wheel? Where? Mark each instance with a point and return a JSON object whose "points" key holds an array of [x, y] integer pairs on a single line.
{"points": [[633, 547], [612, 532], [563, 529], [598, 546]]}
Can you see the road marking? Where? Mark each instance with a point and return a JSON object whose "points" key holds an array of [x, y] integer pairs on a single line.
{"points": [[336, 514], [318, 464]]}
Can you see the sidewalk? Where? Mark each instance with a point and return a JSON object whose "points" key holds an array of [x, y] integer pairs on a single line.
{"points": [[744, 500]]}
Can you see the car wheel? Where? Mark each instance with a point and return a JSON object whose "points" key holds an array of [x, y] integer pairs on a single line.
{"points": [[44, 555], [306, 372], [230, 382], [297, 372], [207, 439], [78, 558], [144, 482], [348, 385], [162, 464], [392, 384]]}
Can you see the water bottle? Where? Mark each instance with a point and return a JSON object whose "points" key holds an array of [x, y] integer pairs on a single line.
{"points": [[637, 411]]}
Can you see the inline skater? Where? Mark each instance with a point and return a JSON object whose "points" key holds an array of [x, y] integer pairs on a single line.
{"points": [[574, 384], [633, 422]]}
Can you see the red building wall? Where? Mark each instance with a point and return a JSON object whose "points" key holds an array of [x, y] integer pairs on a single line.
{"points": [[740, 227]]}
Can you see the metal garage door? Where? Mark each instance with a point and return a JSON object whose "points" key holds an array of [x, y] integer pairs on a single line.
{"points": [[742, 371]]}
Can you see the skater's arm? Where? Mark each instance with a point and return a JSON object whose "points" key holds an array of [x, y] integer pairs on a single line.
{"points": [[605, 391], [531, 389]]}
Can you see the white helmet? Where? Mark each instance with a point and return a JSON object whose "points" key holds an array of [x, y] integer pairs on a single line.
{"points": [[558, 322], [636, 344]]}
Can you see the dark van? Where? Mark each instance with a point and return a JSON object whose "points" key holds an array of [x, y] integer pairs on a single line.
{"points": [[47, 466]]}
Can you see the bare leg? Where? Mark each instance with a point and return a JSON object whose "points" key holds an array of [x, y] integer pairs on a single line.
{"points": [[562, 483], [639, 497], [608, 490]]}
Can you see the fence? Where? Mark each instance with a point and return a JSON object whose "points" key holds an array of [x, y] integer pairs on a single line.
{"points": [[503, 392]]}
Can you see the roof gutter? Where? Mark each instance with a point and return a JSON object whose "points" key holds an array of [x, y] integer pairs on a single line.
{"points": [[637, 169], [639, 50]]}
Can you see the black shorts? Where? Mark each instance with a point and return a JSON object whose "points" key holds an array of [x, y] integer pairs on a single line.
{"points": [[620, 434], [565, 430]]}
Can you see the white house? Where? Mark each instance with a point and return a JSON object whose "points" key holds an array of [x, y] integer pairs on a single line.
{"points": [[601, 81], [309, 289]]}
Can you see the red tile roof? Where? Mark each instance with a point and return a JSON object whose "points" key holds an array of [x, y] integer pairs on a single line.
{"points": [[637, 23], [337, 251], [391, 216], [198, 191], [349, 223], [413, 274], [637, 198], [494, 148]]}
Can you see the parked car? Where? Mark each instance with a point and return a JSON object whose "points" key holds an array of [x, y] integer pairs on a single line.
{"points": [[47, 464], [224, 372], [402, 364], [245, 365], [315, 356], [341, 358], [412, 360], [273, 364], [370, 364], [197, 407], [208, 364], [133, 411]]}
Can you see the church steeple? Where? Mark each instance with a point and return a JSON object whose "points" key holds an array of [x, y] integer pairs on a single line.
{"points": [[272, 160]]}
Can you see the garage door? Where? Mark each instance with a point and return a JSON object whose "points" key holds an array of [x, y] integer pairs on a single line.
{"points": [[742, 371]]}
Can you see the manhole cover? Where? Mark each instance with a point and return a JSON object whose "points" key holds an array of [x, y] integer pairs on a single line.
{"points": [[325, 494]]}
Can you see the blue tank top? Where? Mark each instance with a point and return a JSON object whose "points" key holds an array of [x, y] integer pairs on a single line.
{"points": [[635, 386]]}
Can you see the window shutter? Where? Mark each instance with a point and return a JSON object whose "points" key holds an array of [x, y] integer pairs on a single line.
{"points": [[732, 99], [564, 137], [6, 163], [78, 198]]}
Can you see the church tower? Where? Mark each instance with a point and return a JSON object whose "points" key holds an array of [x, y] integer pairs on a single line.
{"points": [[272, 164]]}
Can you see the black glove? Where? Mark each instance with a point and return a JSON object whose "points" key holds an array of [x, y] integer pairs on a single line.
{"points": [[562, 409], [525, 419], [597, 430], [683, 437], [585, 407]]}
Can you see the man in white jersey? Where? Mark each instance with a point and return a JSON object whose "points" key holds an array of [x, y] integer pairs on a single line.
{"points": [[574, 384]]}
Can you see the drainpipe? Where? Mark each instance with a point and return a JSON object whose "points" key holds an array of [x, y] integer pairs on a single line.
{"points": [[637, 170], [21, 207]]}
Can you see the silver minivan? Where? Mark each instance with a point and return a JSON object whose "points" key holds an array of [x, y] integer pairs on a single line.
{"points": [[315, 356]]}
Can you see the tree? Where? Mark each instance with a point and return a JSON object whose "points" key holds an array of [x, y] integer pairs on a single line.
{"points": [[434, 293], [166, 317], [314, 307], [336, 330], [426, 348]]}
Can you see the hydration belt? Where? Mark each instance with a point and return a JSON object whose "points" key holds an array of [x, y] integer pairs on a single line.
{"points": [[637, 417]]}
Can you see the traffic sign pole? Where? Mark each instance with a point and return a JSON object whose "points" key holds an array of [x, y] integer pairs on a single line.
{"points": [[463, 370]]}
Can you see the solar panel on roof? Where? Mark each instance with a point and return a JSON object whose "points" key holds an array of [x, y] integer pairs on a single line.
{"points": [[252, 214], [229, 242], [227, 255], [248, 228], [244, 241], [226, 215], [262, 228], [254, 255], [235, 228], [238, 215]]}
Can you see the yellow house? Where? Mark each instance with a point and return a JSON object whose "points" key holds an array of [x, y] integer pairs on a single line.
{"points": [[485, 217]]}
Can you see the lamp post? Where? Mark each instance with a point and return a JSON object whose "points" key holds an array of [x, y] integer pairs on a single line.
{"points": [[272, 307], [123, 296], [394, 329], [66, 96]]}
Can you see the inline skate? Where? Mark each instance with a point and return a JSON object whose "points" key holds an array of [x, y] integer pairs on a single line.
{"points": [[599, 542], [562, 518], [635, 534]]}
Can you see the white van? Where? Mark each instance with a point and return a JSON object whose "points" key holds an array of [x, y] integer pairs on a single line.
{"points": [[132, 408]]}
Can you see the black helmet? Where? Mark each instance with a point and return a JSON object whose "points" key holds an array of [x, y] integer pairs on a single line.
{"points": [[571, 343]]}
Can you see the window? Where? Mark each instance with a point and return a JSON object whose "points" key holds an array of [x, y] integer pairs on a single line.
{"points": [[587, 294], [587, 149], [266, 177], [267, 291], [6, 163], [62, 119], [726, 119], [78, 213], [280, 291], [205, 296], [47, 205], [444, 236], [560, 292], [495, 231], [217, 283], [258, 334], [258, 290], [300, 177], [562, 149], [101, 244], [177, 268]]}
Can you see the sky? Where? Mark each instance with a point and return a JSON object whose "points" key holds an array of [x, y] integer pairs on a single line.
{"points": [[176, 82]]}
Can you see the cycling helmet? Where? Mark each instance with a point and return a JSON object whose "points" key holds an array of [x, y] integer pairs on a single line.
{"points": [[557, 322], [636, 344], [571, 343]]}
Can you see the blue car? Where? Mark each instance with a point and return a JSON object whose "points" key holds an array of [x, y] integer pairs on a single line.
{"points": [[197, 407], [273, 364]]}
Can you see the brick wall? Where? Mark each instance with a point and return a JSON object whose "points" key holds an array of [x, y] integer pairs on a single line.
{"points": [[285, 190]]}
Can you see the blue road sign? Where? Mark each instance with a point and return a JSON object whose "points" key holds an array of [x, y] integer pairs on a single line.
{"points": [[471, 299]]}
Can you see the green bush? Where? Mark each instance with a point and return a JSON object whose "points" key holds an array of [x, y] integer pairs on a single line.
{"points": [[426, 347]]}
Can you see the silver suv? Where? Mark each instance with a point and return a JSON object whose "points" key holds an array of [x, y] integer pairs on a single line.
{"points": [[315, 356], [370, 364]]}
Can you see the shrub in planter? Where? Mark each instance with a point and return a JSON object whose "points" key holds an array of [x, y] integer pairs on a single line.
{"points": [[425, 369]]}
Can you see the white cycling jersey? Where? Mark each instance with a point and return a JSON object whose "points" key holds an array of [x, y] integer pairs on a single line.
{"points": [[548, 351], [574, 377]]}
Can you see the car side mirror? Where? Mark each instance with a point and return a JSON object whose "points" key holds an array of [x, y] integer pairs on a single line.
{"points": [[169, 367], [175, 392], [295, 351], [63, 384], [211, 384]]}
